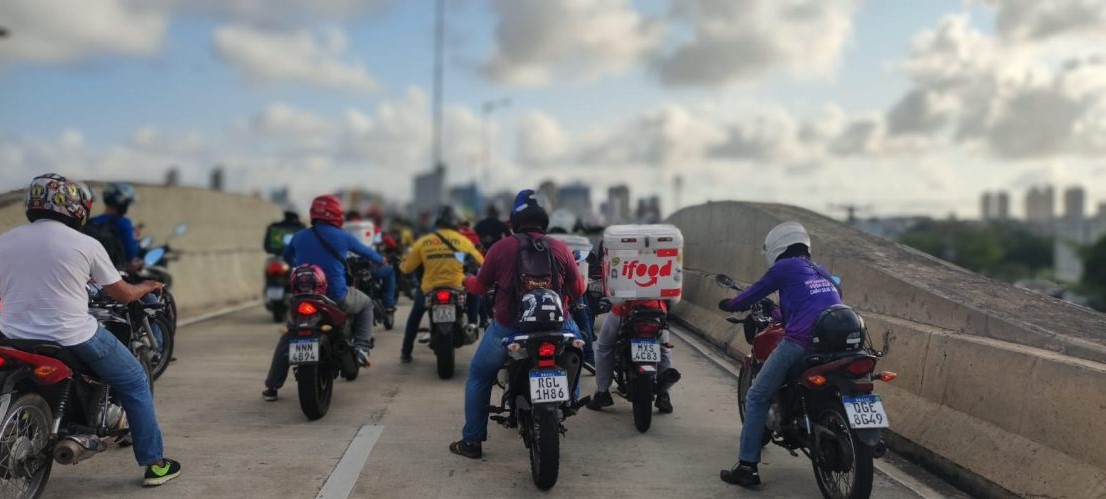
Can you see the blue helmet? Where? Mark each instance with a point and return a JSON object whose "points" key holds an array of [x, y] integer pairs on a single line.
{"points": [[119, 194]]}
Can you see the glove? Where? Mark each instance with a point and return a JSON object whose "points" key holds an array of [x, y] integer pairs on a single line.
{"points": [[724, 304]]}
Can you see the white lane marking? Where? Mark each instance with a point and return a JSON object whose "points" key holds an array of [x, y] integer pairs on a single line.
{"points": [[893, 472], [218, 313], [345, 474]]}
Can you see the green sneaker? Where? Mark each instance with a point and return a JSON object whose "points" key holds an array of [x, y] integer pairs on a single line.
{"points": [[159, 474]]}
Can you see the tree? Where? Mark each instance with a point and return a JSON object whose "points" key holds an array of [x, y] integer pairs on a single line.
{"points": [[1005, 251], [1094, 273]]}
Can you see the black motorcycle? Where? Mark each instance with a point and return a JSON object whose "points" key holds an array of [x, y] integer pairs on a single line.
{"points": [[277, 294], [155, 267], [448, 330], [637, 356], [542, 372], [321, 349], [134, 324], [362, 279]]}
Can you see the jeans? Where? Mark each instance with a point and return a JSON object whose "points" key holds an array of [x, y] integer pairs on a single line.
{"points": [[582, 316], [387, 275], [360, 306], [604, 353], [113, 362], [414, 319], [771, 376], [485, 365]]}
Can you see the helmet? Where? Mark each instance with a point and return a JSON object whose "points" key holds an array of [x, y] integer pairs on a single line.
{"points": [[308, 279], [541, 310], [327, 208], [88, 194], [119, 195], [562, 221], [526, 213], [837, 329], [447, 217], [52, 196], [782, 236]]}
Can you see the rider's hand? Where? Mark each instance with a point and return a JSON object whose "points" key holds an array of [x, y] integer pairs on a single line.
{"points": [[724, 304], [154, 287]]}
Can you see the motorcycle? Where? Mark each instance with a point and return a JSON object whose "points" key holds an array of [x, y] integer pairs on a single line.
{"points": [[448, 330], [828, 411], [155, 266], [362, 279], [55, 409], [277, 295], [134, 325], [320, 350], [637, 355], [542, 373]]}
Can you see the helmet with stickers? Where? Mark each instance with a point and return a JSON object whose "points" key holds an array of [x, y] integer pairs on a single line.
{"points": [[54, 197]]}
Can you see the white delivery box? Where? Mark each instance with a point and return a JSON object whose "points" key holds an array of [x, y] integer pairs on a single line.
{"points": [[363, 230], [643, 262], [576, 243]]}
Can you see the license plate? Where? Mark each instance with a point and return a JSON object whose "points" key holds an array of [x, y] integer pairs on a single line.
{"points": [[303, 351], [643, 350], [444, 313], [548, 386], [865, 411], [274, 293]]}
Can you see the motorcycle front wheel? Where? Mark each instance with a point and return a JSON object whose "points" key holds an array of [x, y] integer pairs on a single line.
{"points": [[842, 465], [164, 351], [545, 447], [642, 397], [24, 460]]}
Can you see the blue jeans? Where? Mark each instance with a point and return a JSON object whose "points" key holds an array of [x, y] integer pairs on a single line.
{"points": [[771, 376], [486, 362], [414, 319], [582, 316], [387, 275], [114, 363]]}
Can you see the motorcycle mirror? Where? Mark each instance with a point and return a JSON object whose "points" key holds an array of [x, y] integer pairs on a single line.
{"points": [[146, 242], [180, 229], [154, 255], [836, 279], [724, 281]]}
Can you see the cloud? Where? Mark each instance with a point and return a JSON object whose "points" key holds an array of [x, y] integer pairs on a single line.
{"points": [[268, 57], [284, 13], [735, 40], [541, 140], [1038, 20], [66, 31], [537, 40]]}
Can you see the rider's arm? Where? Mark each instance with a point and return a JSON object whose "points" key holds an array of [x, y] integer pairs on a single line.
{"points": [[289, 254], [574, 283], [124, 292], [102, 271], [413, 260], [489, 269], [759, 290]]}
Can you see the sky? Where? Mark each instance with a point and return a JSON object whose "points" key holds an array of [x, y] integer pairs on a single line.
{"points": [[900, 107]]}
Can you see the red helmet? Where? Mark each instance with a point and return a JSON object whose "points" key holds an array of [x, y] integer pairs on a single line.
{"points": [[308, 279], [328, 208]]}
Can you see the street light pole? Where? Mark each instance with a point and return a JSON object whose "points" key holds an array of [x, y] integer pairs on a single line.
{"points": [[485, 132], [439, 28]]}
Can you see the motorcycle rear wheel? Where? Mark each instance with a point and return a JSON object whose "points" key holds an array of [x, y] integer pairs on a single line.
{"points": [[24, 435], [642, 397], [315, 389], [445, 353], [545, 447], [842, 466]]}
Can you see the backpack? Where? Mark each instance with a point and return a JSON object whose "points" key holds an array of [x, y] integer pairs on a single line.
{"points": [[107, 233], [536, 268]]}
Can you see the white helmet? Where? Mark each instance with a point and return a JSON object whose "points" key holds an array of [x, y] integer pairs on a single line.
{"points": [[782, 236]]}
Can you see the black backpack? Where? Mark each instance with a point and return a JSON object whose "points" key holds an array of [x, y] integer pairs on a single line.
{"points": [[536, 268], [107, 233]]}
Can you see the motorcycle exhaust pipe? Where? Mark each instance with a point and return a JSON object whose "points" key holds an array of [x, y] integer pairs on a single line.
{"points": [[666, 379], [76, 448]]}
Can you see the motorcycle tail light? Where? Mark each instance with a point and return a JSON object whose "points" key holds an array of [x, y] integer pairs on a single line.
{"points": [[276, 268], [861, 367], [647, 329], [885, 376], [443, 295], [816, 380], [306, 308], [547, 350]]}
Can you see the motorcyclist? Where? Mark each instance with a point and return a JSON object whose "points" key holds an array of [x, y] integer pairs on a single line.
{"points": [[805, 291], [604, 356], [43, 290], [476, 313], [500, 271], [491, 229], [325, 244], [118, 198], [275, 233], [440, 267]]}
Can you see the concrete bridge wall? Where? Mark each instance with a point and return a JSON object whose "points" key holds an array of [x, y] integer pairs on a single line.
{"points": [[1001, 387]]}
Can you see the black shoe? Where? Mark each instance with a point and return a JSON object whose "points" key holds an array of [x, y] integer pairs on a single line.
{"points": [[270, 394], [405, 358], [664, 403], [157, 474], [470, 450], [742, 474], [600, 400]]}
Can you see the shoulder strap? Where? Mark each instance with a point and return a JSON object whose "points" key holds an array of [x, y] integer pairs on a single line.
{"points": [[330, 249], [827, 277], [446, 242]]}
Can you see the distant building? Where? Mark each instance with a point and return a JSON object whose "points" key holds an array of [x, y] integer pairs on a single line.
{"points": [[218, 177], [547, 195], [172, 177], [986, 207], [1040, 209], [280, 197], [1002, 205], [468, 198], [503, 201], [575, 198], [618, 205], [649, 210], [1072, 232], [1075, 202], [994, 206], [429, 192]]}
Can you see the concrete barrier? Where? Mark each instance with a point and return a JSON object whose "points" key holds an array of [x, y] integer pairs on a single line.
{"points": [[1001, 389], [221, 255]]}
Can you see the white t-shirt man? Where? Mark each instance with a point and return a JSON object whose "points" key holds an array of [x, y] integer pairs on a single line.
{"points": [[44, 267]]}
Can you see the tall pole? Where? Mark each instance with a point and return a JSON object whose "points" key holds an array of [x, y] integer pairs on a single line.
{"points": [[485, 132], [439, 28]]}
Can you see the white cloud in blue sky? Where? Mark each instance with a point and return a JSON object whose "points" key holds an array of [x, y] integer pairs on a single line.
{"points": [[802, 101]]}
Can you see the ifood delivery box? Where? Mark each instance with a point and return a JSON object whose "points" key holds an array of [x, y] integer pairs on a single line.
{"points": [[643, 262], [576, 243]]}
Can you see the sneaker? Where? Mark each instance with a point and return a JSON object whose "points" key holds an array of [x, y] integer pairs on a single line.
{"points": [[362, 357], [600, 400], [157, 474], [270, 394], [405, 358], [424, 338], [743, 474], [470, 450], [664, 403]]}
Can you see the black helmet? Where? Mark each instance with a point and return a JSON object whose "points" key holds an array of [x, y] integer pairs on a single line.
{"points": [[447, 218], [541, 310], [838, 328], [527, 213]]}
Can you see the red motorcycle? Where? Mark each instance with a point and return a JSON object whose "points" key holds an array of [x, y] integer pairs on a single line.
{"points": [[321, 348], [827, 410]]}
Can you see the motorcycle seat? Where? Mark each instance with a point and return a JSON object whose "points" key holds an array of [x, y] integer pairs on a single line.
{"points": [[826, 357], [49, 349], [647, 313]]}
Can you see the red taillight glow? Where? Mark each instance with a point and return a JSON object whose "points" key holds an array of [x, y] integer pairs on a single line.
{"points": [[547, 363], [861, 367], [547, 350], [443, 295], [47, 370], [647, 329], [276, 268], [306, 308]]}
